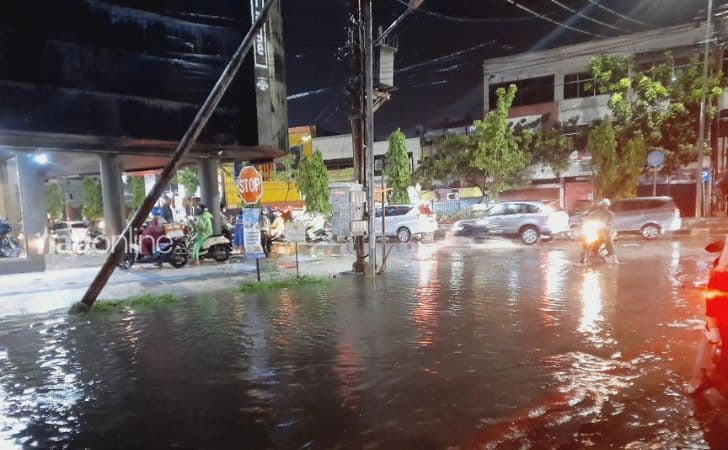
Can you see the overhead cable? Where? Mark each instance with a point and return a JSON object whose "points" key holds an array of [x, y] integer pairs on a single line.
{"points": [[611, 11], [468, 19], [555, 22], [584, 16]]}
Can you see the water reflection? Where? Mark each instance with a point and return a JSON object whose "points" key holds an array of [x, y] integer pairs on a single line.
{"points": [[591, 319], [427, 291], [554, 266]]}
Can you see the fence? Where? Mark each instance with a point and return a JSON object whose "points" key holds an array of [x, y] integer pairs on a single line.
{"points": [[453, 207]]}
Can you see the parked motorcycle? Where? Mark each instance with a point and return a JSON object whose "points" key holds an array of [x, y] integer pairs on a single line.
{"points": [[172, 251], [9, 246]]}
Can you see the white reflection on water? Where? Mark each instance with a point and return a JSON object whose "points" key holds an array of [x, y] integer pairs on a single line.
{"points": [[591, 298]]}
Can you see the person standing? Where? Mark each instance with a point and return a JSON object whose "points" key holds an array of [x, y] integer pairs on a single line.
{"points": [[202, 232], [167, 213], [264, 227]]}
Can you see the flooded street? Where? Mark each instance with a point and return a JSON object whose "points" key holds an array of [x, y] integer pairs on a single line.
{"points": [[459, 345]]}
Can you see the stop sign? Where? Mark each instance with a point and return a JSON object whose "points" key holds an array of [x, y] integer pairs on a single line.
{"points": [[250, 185]]}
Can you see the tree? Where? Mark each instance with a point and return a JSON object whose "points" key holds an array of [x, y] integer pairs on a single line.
{"points": [[138, 193], [93, 206], [398, 168], [489, 157], [551, 146], [189, 178], [313, 182], [617, 168], [659, 106], [287, 172], [56, 205]]}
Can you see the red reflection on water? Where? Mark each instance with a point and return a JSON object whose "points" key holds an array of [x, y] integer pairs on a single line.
{"points": [[347, 369], [424, 314]]}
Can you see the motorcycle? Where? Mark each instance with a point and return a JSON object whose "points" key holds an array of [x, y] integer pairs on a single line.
{"points": [[592, 241], [317, 230], [171, 250], [9, 246]]}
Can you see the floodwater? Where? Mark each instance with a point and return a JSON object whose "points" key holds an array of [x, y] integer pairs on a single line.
{"points": [[460, 345]]}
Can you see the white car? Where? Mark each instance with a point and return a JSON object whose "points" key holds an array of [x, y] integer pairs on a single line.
{"points": [[406, 221]]}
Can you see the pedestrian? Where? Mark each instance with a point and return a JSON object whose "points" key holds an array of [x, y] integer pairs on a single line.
{"points": [[238, 235], [716, 320], [264, 227], [203, 230], [167, 213]]}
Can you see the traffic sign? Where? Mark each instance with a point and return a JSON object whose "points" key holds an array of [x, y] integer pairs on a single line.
{"points": [[656, 158], [250, 185]]}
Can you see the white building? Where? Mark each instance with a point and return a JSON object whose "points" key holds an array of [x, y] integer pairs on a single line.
{"points": [[338, 151]]}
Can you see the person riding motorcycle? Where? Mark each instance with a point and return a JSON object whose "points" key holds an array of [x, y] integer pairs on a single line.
{"points": [[317, 223], [278, 227], [716, 322], [152, 233], [203, 230], [605, 216]]}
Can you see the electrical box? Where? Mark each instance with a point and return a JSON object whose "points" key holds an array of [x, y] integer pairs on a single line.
{"points": [[347, 209]]}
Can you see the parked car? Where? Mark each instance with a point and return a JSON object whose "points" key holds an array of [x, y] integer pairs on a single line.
{"points": [[406, 221], [69, 232], [648, 216], [528, 220]]}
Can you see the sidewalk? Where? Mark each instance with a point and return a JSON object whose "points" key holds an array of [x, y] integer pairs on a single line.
{"points": [[705, 225], [41, 292]]}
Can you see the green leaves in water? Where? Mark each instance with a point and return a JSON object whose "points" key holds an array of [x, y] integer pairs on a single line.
{"points": [[271, 285], [143, 301]]}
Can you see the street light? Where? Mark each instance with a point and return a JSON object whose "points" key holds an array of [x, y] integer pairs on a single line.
{"points": [[701, 131]]}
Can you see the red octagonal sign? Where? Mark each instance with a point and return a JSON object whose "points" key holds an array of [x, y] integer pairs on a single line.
{"points": [[250, 185]]}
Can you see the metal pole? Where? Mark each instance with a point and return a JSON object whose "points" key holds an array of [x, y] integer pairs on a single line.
{"points": [[298, 274], [701, 129], [183, 147], [257, 268], [369, 125], [383, 266], [654, 181]]}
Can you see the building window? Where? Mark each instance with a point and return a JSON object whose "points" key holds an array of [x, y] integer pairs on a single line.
{"points": [[12, 235], [579, 85], [531, 91]]}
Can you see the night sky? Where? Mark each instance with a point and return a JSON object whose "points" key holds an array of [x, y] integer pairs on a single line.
{"points": [[451, 38]]}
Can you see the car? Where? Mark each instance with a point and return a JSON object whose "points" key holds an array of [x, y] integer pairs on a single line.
{"points": [[649, 217], [69, 232], [528, 220], [406, 221]]}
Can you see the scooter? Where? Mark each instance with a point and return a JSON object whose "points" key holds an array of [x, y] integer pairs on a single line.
{"points": [[9, 246], [216, 247], [592, 242], [171, 250], [318, 235]]}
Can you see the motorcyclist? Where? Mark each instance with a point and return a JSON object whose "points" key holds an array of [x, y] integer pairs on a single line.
{"points": [[318, 223], [203, 230], [605, 216], [716, 321], [278, 227], [152, 232]]}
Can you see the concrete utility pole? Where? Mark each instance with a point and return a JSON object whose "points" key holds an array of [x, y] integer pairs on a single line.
{"points": [[356, 92], [699, 212], [183, 147], [369, 132]]}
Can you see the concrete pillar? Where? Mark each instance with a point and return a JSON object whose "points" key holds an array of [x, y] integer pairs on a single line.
{"points": [[112, 194], [209, 194]]}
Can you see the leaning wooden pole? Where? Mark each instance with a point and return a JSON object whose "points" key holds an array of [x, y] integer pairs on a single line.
{"points": [[183, 147]]}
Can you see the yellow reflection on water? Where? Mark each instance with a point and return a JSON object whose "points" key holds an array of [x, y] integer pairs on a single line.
{"points": [[591, 298]]}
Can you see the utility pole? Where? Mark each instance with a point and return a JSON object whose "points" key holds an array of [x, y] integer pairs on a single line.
{"points": [[369, 129], [699, 212], [355, 90]]}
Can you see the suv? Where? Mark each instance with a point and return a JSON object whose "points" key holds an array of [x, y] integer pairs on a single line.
{"points": [[527, 220], [648, 216], [406, 221]]}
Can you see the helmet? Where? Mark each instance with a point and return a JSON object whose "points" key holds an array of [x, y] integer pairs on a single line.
{"points": [[156, 211], [605, 203]]}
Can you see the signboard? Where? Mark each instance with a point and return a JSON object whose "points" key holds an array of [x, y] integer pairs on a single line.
{"points": [[260, 46], [656, 158], [250, 185], [251, 233]]}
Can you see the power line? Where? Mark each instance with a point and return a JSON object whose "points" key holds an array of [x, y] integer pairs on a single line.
{"points": [[611, 11], [584, 16], [555, 22], [467, 19]]}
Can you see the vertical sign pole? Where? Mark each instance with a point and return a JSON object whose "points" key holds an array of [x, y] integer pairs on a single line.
{"points": [[257, 268], [298, 275]]}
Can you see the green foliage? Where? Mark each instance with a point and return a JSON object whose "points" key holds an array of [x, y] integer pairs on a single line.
{"points": [[659, 105], [313, 182], [271, 285], [190, 179], [551, 146], [617, 167], [489, 157], [93, 206], [138, 192], [143, 301], [56, 205], [398, 169]]}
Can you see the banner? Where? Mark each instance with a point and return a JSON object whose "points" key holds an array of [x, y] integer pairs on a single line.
{"points": [[251, 233]]}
